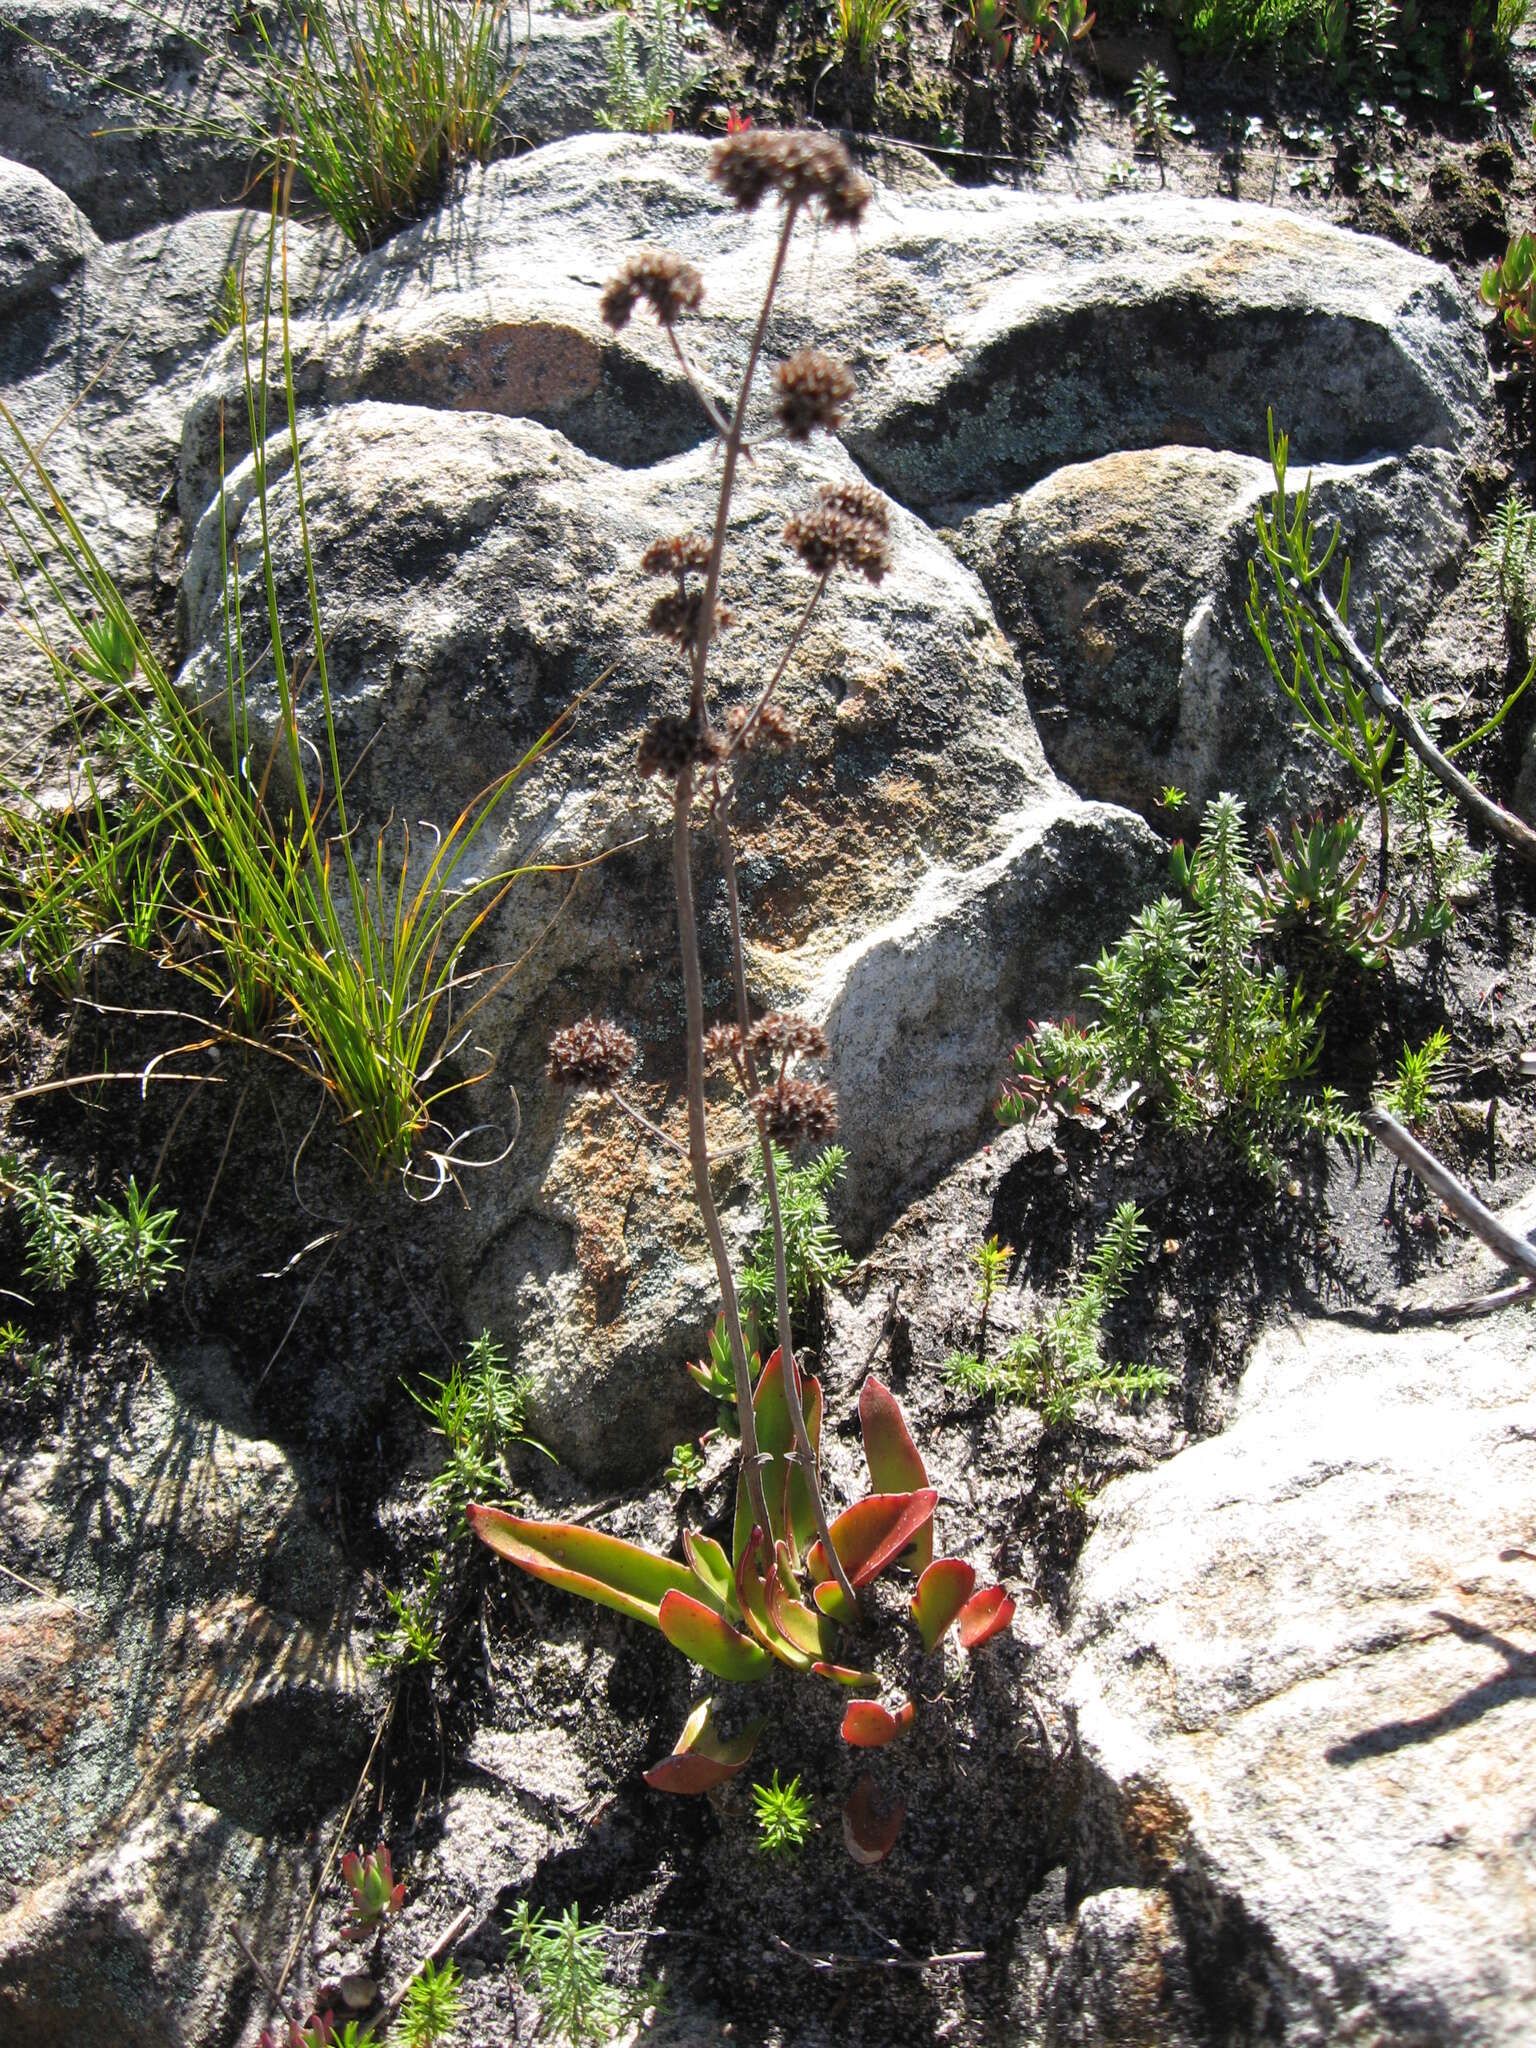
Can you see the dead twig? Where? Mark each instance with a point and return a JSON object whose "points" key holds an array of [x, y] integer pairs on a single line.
{"points": [[440, 1947], [826, 1964], [1504, 823], [1515, 1251]]}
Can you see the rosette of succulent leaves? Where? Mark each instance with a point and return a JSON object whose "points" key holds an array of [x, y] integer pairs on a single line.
{"points": [[793, 1573]]}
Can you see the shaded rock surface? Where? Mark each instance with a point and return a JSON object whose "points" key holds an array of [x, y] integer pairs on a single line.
{"points": [[138, 113], [1123, 585], [43, 235], [1306, 1694], [180, 1702]]}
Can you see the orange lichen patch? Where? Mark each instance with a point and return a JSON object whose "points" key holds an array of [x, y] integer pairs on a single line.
{"points": [[1156, 1827], [603, 1170], [518, 368], [43, 1690]]}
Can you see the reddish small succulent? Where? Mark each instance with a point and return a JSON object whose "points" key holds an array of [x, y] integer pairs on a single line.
{"points": [[670, 744], [858, 500], [679, 616], [828, 539], [675, 555], [591, 1054], [375, 1894], [780, 1031], [770, 728]]}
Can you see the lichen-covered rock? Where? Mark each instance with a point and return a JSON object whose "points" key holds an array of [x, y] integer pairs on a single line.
{"points": [[1123, 584], [43, 235], [1304, 1690], [995, 335], [480, 573]]}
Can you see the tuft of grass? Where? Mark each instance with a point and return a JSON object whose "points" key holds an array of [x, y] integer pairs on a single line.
{"points": [[347, 964], [859, 27], [375, 102], [646, 101]]}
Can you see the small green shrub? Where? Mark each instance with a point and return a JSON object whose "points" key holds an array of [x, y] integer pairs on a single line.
{"points": [[374, 102], [646, 102], [783, 1814], [429, 2012], [1153, 121], [1060, 1366], [1505, 565], [562, 1962], [1408, 1096], [414, 1639], [480, 1411], [813, 1257], [129, 1242], [686, 1468]]}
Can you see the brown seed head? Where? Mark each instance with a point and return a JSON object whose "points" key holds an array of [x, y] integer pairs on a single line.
{"points": [[591, 1054], [782, 1032], [677, 615], [669, 286], [813, 389], [721, 1042], [675, 555], [858, 501], [669, 745], [799, 167], [828, 539], [769, 729], [797, 1112]]}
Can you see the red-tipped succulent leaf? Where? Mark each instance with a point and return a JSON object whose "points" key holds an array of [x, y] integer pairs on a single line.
{"points": [[873, 1532], [584, 1561], [708, 1639], [941, 1592], [984, 1615], [868, 1725], [700, 1759], [894, 1461]]}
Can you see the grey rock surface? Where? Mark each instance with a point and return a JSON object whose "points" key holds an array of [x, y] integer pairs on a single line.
{"points": [[995, 336], [43, 235], [140, 114], [1123, 586], [479, 572], [1305, 1688], [98, 374]]}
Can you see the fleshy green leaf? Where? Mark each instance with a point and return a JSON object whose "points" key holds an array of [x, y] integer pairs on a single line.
{"points": [[983, 1616], [775, 1437], [872, 1532], [584, 1561], [712, 1568], [700, 1760], [845, 1674], [706, 1638], [753, 1596], [894, 1461], [941, 1593], [797, 1623]]}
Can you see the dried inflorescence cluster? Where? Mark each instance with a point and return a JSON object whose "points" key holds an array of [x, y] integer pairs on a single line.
{"points": [[813, 388], [669, 286], [800, 169], [796, 1112], [793, 1111], [593, 1053], [670, 744]]}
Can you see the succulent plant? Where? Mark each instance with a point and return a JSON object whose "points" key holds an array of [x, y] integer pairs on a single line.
{"points": [[375, 1894], [774, 1599]]}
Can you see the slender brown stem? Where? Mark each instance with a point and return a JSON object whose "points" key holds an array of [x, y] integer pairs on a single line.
{"points": [[639, 1118], [733, 442], [749, 723], [803, 1446], [721, 425], [1515, 1251], [1509, 828], [698, 1142]]}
